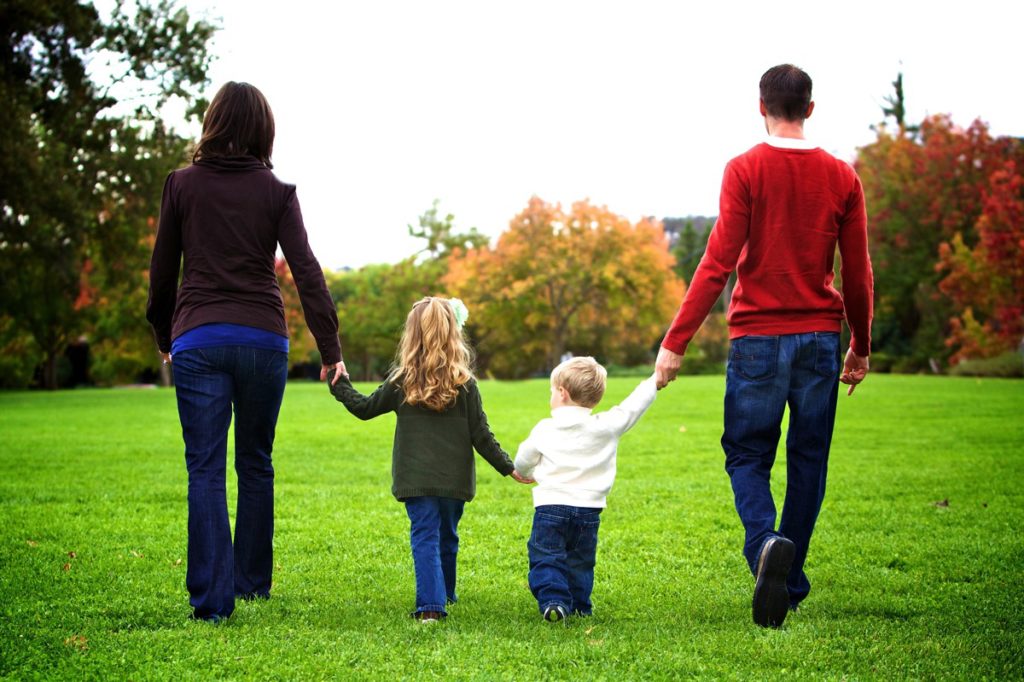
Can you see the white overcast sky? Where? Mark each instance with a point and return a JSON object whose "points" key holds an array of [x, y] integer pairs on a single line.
{"points": [[383, 106]]}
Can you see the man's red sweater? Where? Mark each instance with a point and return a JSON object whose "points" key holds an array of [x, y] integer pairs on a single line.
{"points": [[781, 213]]}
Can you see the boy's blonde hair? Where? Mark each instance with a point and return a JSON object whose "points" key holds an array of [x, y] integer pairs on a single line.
{"points": [[583, 378], [433, 360]]}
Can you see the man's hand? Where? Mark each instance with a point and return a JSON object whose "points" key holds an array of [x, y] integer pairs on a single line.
{"points": [[667, 367], [340, 366], [522, 479], [855, 368]]}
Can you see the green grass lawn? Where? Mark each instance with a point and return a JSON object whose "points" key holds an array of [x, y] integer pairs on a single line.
{"points": [[917, 564]]}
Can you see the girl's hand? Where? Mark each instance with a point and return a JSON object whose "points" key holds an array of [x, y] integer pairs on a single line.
{"points": [[522, 479]]}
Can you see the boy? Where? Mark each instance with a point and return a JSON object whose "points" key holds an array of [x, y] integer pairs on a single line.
{"points": [[571, 455]]}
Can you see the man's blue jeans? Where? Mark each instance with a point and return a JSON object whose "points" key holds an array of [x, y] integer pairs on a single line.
{"points": [[563, 550], [433, 534], [764, 375], [209, 382]]}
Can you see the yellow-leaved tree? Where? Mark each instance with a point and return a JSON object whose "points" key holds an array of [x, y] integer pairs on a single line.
{"points": [[585, 281]]}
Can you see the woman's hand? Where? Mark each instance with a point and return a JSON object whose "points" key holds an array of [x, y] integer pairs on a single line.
{"points": [[340, 366]]}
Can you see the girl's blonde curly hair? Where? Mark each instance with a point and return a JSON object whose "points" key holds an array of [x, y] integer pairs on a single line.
{"points": [[433, 360]]}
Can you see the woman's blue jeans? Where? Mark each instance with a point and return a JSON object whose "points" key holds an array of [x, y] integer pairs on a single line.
{"points": [[433, 534], [209, 383], [764, 375], [563, 551]]}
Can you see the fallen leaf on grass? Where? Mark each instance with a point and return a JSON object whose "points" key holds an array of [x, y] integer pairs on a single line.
{"points": [[32, 543], [67, 567], [942, 503], [137, 555], [177, 562], [682, 429], [72, 554], [78, 642]]}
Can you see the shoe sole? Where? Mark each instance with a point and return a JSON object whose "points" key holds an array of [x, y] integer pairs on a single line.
{"points": [[771, 598], [554, 615]]}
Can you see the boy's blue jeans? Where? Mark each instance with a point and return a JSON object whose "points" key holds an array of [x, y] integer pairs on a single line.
{"points": [[209, 383], [562, 550], [764, 375], [433, 534]]}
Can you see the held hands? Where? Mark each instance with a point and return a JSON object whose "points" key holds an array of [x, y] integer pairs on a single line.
{"points": [[522, 479], [666, 367], [855, 368], [339, 366]]}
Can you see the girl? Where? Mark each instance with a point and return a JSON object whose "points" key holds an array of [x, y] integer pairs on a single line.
{"points": [[440, 420], [223, 331]]}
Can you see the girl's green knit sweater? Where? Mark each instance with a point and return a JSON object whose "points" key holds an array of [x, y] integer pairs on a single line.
{"points": [[433, 451]]}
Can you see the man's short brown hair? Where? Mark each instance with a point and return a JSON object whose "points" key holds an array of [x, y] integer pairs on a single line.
{"points": [[583, 378], [786, 92]]}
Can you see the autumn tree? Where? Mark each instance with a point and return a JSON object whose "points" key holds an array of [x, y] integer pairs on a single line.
{"points": [[922, 187], [586, 281], [78, 171], [985, 280]]}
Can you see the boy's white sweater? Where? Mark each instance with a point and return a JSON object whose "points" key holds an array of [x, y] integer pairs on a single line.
{"points": [[571, 455]]}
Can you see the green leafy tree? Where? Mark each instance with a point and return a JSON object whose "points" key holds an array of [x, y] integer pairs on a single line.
{"points": [[81, 157], [373, 302], [440, 235]]}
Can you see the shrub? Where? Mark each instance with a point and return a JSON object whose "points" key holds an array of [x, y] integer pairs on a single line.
{"points": [[1007, 365]]}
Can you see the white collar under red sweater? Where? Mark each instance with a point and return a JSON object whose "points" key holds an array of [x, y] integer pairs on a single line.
{"points": [[790, 143]]}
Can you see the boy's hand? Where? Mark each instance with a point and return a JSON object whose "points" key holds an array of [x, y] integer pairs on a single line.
{"points": [[522, 479]]}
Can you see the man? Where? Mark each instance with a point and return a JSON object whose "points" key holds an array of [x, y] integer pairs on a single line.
{"points": [[784, 207]]}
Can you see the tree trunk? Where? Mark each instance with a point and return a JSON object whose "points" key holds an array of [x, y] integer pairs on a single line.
{"points": [[50, 370], [558, 345]]}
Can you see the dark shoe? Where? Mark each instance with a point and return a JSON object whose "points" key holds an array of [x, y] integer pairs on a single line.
{"points": [[212, 619], [252, 596], [771, 599], [428, 616], [555, 613]]}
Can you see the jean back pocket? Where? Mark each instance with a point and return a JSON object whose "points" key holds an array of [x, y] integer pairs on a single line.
{"points": [[754, 357]]}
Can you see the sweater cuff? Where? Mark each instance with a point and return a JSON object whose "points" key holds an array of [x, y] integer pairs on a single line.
{"points": [[330, 351], [861, 348], [674, 345]]}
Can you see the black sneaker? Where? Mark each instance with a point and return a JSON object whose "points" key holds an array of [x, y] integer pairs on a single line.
{"points": [[555, 613], [771, 599]]}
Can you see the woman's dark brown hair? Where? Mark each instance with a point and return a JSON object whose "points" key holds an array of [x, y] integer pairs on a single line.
{"points": [[238, 122]]}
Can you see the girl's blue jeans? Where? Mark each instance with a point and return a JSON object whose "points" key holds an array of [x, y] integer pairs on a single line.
{"points": [[433, 534], [765, 374], [210, 382]]}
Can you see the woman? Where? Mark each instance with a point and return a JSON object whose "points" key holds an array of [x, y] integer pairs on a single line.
{"points": [[225, 330]]}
